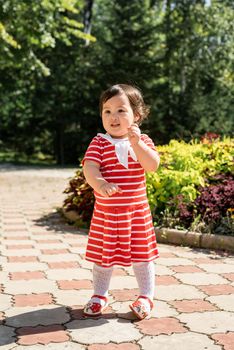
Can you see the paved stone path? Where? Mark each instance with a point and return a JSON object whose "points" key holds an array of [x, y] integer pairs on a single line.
{"points": [[45, 281]]}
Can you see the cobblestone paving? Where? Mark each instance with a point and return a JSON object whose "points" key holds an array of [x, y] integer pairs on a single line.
{"points": [[44, 282]]}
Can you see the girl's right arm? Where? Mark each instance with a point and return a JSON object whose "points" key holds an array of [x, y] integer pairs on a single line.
{"points": [[96, 180]]}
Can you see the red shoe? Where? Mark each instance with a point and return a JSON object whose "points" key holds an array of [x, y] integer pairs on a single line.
{"points": [[96, 305], [141, 308]]}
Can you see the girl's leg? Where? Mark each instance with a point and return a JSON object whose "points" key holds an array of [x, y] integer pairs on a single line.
{"points": [[101, 282], [145, 275], [101, 279]]}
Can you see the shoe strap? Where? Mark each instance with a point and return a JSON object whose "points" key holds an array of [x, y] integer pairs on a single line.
{"points": [[149, 300], [100, 297]]}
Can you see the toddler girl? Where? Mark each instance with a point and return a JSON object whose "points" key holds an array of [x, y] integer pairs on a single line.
{"points": [[121, 231]]}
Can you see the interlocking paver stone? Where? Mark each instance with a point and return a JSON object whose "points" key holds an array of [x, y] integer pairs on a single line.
{"points": [[178, 292], [3, 276], [52, 247], [32, 275], [217, 289], [38, 315], [42, 335], [161, 270], [186, 269], [33, 299], [229, 276], [208, 322], [225, 302], [5, 302], [63, 265], [227, 340], [52, 346], [24, 266], [192, 305], [22, 259], [121, 282], [174, 261], [125, 294], [7, 335], [54, 251], [200, 278], [77, 274], [19, 246], [191, 341], [56, 257], [74, 297], [111, 346], [73, 285], [91, 331], [123, 311], [163, 309], [156, 326], [218, 268], [166, 280], [38, 286], [20, 252]]}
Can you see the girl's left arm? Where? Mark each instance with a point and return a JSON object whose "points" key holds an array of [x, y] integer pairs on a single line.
{"points": [[147, 157]]}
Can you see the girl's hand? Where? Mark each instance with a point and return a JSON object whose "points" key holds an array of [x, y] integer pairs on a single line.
{"points": [[134, 134], [108, 189]]}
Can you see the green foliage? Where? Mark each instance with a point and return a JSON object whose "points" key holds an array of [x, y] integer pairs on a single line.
{"points": [[36, 42], [198, 68], [182, 193], [26, 29], [186, 166], [80, 199], [180, 53]]}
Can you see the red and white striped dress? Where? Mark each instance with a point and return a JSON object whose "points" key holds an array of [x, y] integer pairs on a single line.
{"points": [[121, 230]]}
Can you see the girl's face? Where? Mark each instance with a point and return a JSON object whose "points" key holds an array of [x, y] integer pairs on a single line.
{"points": [[117, 116]]}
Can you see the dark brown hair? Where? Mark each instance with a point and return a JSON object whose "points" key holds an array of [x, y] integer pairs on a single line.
{"points": [[134, 96]]}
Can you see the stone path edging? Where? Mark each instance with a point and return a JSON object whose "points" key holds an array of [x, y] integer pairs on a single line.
{"points": [[195, 239]]}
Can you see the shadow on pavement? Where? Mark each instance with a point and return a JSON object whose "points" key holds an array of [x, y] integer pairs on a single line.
{"points": [[49, 320], [56, 222]]}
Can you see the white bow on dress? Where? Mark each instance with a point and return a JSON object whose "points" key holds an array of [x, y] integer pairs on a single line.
{"points": [[122, 149]]}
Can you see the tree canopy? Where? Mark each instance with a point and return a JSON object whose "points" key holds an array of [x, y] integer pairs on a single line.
{"points": [[56, 56]]}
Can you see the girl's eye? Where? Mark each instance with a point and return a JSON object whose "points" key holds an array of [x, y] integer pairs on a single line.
{"points": [[121, 110]]}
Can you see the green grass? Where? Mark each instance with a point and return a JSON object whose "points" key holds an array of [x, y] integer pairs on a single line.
{"points": [[23, 159]]}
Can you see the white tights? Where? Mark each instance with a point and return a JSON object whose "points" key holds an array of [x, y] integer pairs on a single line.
{"points": [[145, 275], [144, 272]]}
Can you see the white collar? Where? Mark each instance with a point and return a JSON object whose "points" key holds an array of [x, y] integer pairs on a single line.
{"points": [[122, 148]]}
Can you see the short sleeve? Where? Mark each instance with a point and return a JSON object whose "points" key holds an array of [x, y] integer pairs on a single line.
{"points": [[94, 151], [147, 140]]}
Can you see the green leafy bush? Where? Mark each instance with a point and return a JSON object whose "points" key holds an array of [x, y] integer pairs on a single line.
{"points": [[80, 199], [186, 166], [186, 172]]}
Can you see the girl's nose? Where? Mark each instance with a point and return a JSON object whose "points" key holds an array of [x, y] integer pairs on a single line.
{"points": [[114, 116]]}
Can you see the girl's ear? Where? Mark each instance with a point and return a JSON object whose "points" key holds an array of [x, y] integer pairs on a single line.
{"points": [[137, 117]]}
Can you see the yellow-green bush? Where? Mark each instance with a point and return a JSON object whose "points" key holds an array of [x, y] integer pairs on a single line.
{"points": [[185, 170], [185, 166]]}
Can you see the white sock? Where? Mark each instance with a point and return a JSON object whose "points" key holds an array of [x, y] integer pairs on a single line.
{"points": [[101, 279], [145, 275]]}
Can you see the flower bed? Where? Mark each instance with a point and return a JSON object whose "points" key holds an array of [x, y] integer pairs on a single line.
{"points": [[193, 188]]}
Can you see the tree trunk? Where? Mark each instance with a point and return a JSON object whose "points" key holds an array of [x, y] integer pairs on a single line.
{"points": [[59, 141], [87, 18]]}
